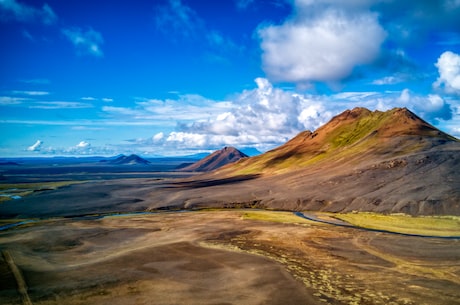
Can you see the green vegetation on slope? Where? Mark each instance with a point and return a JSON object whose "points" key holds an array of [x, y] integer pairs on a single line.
{"points": [[352, 133], [400, 223], [273, 216]]}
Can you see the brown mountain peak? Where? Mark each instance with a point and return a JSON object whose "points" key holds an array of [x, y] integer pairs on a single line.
{"points": [[351, 135], [217, 159]]}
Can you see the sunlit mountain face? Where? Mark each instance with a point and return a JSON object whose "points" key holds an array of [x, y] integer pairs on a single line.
{"points": [[361, 160]]}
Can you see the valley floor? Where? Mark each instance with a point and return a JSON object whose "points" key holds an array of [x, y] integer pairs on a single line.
{"points": [[222, 257]]}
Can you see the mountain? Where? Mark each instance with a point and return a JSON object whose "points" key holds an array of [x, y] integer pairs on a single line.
{"points": [[128, 160], [216, 160], [350, 136], [389, 162]]}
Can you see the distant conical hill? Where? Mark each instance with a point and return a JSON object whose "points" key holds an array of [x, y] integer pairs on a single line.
{"points": [[389, 162], [216, 160], [129, 160]]}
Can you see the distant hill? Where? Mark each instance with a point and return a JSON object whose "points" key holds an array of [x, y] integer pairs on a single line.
{"points": [[128, 160], [215, 160], [388, 162]]}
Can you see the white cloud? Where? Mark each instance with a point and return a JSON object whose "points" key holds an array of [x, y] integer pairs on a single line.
{"points": [[320, 45], [267, 116], [59, 105], [25, 13], [186, 108], [10, 100], [92, 98], [448, 65], [88, 98], [158, 137], [390, 80], [262, 117], [432, 107], [36, 146], [86, 42], [83, 145], [87, 128], [31, 93]]}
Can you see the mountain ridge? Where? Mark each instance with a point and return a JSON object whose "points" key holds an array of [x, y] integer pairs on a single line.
{"points": [[217, 159], [128, 160], [353, 132], [361, 160]]}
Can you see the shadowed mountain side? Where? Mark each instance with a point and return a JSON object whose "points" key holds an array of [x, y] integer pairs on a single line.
{"points": [[128, 160], [207, 182], [215, 160], [360, 161]]}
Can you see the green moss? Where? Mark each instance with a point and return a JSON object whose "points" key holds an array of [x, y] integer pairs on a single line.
{"points": [[273, 216], [421, 225]]}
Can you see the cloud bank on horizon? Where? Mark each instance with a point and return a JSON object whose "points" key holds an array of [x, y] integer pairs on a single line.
{"points": [[176, 77]]}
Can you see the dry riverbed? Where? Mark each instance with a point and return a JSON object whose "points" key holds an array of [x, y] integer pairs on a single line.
{"points": [[223, 257]]}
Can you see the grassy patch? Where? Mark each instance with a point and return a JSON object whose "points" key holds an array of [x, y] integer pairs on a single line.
{"points": [[274, 216], [421, 225], [8, 190]]}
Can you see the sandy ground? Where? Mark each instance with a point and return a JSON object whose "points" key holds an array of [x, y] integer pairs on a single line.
{"points": [[224, 257]]}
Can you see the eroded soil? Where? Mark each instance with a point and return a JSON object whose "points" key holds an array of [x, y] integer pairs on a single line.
{"points": [[223, 257]]}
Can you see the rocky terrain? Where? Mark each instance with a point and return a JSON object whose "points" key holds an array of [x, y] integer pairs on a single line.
{"points": [[389, 161]]}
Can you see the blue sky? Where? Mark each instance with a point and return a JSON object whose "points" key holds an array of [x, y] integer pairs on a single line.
{"points": [[175, 77]]}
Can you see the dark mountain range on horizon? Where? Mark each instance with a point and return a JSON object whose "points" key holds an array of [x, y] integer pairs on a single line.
{"points": [[128, 160], [388, 162], [215, 160]]}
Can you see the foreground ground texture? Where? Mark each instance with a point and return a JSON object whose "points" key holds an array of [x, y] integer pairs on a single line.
{"points": [[222, 257]]}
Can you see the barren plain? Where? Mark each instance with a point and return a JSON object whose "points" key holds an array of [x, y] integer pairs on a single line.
{"points": [[223, 257]]}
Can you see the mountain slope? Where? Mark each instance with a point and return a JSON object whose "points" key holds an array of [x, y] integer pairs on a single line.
{"points": [[216, 160], [350, 135], [129, 160], [389, 161]]}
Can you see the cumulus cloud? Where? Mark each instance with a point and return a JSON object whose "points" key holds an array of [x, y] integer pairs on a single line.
{"points": [[86, 42], [267, 116], [262, 117], [14, 10], [158, 137], [448, 65], [35, 147], [83, 145], [320, 44], [431, 107]]}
